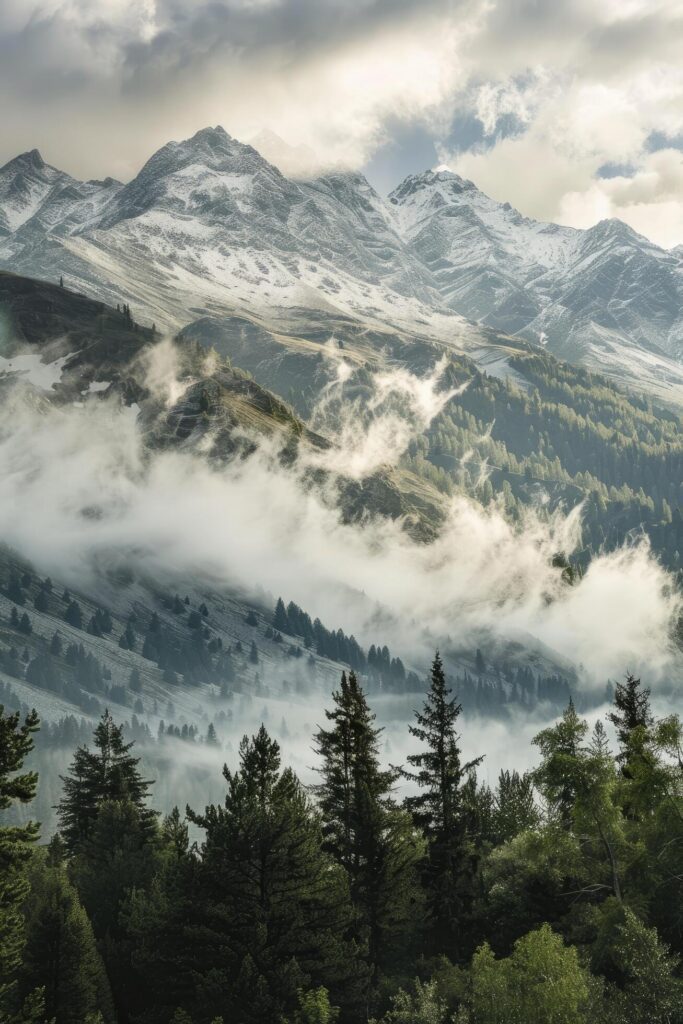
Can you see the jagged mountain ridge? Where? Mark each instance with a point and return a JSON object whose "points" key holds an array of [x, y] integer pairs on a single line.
{"points": [[209, 228], [208, 225], [591, 296]]}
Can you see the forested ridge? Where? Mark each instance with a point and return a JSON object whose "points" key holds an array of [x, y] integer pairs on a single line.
{"points": [[403, 894], [568, 433]]}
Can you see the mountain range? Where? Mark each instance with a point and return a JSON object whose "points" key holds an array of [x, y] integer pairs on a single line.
{"points": [[72, 352], [286, 309], [210, 230]]}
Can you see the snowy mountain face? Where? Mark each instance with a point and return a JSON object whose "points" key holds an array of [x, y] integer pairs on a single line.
{"points": [[605, 297], [209, 228], [36, 199]]}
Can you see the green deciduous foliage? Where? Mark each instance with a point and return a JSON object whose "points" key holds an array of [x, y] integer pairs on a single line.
{"points": [[422, 1006], [541, 982], [314, 1008], [653, 989]]}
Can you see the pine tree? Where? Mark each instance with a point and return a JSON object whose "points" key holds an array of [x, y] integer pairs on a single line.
{"points": [[275, 908], [363, 830], [632, 719], [121, 855], [280, 620], [160, 920], [16, 843], [439, 811], [127, 640], [94, 626], [14, 591], [60, 953], [73, 614], [109, 773]]}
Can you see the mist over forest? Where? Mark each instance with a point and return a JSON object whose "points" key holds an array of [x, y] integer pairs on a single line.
{"points": [[341, 514]]}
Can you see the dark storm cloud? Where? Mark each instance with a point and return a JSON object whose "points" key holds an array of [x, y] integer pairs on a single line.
{"points": [[181, 34]]}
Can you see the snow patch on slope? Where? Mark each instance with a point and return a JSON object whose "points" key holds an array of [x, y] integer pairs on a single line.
{"points": [[31, 367]]}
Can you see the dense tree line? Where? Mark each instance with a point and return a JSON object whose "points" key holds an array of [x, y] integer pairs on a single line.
{"points": [[382, 671], [554, 898]]}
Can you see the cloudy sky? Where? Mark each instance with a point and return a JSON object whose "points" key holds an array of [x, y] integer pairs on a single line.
{"points": [[570, 109]]}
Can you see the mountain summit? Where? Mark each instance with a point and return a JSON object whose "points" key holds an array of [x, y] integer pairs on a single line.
{"points": [[209, 225], [606, 296]]}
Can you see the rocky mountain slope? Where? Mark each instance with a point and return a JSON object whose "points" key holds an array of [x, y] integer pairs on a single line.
{"points": [[209, 228], [209, 225], [606, 297], [62, 348]]}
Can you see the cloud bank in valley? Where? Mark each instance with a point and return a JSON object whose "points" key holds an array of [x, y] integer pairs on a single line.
{"points": [[80, 491]]}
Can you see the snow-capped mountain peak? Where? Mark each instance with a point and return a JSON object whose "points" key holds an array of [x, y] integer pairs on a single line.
{"points": [[31, 160], [209, 222], [25, 182]]}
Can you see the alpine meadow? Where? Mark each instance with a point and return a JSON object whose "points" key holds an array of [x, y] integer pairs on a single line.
{"points": [[341, 512]]}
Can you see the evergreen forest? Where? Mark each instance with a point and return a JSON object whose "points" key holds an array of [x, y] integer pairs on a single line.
{"points": [[408, 893]]}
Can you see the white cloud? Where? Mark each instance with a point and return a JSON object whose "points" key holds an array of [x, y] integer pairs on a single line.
{"points": [[649, 200], [551, 170], [97, 86], [80, 492]]}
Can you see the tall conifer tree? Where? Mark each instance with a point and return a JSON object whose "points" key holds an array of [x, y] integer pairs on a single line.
{"points": [[108, 773], [439, 809], [363, 829], [274, 909], [16, 844], [60, 954]]}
